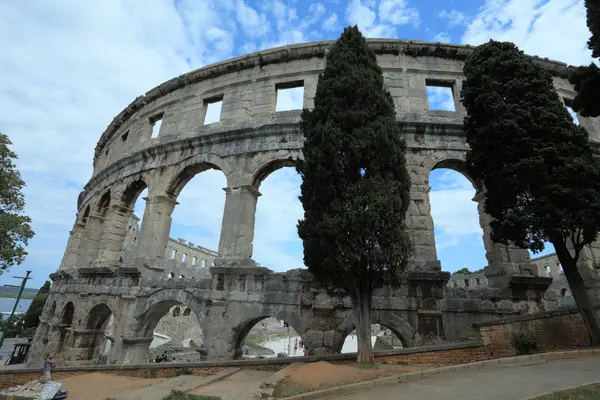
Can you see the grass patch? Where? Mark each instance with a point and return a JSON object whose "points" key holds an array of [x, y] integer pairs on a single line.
{"points": [[367, 366], [176, 395], [253, 345], [587, 392]]}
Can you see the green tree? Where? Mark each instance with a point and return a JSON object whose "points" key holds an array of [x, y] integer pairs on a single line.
{"points": [[355, 186], [12, 327], [32, 316], [15, 229], [587, 79], [542, 181], [464, 271]]}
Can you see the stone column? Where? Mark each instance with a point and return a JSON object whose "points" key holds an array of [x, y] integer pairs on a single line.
{"points": [[456, 88], [420, 225], [237, 230], [113, 234], [74, 246], [503, 260], [154, 233], [135, 350], [91, 240]]}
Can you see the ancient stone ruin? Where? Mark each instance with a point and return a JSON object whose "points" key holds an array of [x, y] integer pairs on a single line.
{"points": [[106, 302]]}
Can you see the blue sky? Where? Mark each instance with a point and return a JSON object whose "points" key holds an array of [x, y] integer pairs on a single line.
{"points": [[67, 67]]}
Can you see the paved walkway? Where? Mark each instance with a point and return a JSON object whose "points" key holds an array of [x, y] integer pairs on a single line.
{"points": [[509, 381]]}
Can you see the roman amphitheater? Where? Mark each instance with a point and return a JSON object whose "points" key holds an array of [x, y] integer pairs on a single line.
{"points": [[110, 291]]}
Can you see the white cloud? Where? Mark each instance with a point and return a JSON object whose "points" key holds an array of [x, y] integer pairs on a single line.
{"points": [[442, 37], [330, 22], [398, 13], [454, 17], [254, 24], [552, 28], [440, 98], [454, 213]]}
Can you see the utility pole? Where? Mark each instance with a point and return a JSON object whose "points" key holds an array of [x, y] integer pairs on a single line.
{"points": [[25, 279]]}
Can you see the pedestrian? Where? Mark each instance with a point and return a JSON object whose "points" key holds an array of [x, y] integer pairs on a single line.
{"points": [[48, 367]]}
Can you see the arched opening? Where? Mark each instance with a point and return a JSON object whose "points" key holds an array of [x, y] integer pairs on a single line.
{"points": [[382, 338], [457, 230], [175, 334], [197, 219], [134, 199], [66, 322], [50, 314], [98, 328], [276, 241], [268, 337]]}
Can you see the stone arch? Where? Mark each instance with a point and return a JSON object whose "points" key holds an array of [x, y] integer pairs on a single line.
{"points": [[65, 324], [96, 323], [85, 215], [132, 192], [177, 311], [104, 203], [159, 304], [186, 312], [454, 160], [241, 330], [398, 325], [273, 164], [184, 172]]}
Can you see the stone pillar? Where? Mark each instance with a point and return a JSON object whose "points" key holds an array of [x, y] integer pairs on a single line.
{"points": [[91, 240], [154, 234], [420, 225], [135, 350], [503, 260], [589, 268], [456, 88], [237, 230], [74, 246], [113, 235]]}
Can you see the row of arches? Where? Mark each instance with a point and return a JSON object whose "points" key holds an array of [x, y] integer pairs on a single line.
{"points": [[92, 338], [199, 207]]}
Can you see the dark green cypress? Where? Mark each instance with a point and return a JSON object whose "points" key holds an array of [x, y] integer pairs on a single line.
{"points": [[355, 186], [542, 180], [587, 79]]}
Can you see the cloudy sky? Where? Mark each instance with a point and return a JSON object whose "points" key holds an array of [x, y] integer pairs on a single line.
{"points": [[67, 67]]}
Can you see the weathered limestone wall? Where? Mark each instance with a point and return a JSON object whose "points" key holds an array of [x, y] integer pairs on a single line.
{"points": [[472, 280], [181, 325], [106, 277]]}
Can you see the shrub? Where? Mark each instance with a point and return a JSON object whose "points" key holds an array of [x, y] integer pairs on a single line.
{"points": [[526, 342]]}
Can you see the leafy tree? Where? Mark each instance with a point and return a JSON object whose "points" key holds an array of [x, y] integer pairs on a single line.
{"points": [[12, 327], [464, 271], [15, 229], [32, 316], [587, 79], [542, 181], [355, 186]]}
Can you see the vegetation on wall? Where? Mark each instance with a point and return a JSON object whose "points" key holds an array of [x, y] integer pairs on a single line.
{"points": [[355, 185], [537, 166]]}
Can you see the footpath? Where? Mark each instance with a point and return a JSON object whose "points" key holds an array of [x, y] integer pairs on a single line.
{"points": [[498, 382]]}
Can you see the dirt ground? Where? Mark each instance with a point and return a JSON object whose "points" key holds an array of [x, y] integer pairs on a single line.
{"points": [[302, 378], [98, 386], [242, 385]]}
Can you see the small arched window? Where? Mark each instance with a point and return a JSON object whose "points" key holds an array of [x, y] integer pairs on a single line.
{"points": [[176, 312], [187, 311]]}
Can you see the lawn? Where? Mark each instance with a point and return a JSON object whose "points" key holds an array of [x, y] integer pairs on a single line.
{"points": [[588, 392]]}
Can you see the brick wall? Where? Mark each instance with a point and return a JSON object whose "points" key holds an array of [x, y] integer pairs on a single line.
{"points": [[559, 329]]}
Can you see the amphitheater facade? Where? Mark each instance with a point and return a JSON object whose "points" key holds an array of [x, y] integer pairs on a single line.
{"points": [[95, 284]]}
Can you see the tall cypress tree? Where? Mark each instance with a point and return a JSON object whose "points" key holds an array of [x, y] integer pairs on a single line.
{"points": [[542, 181], [355, 186], [587, 79]]}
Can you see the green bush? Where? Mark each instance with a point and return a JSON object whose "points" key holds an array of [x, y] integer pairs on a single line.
{"points": [[526, 342]]}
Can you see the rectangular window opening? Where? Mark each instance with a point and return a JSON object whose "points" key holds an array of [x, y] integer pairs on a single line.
{"points": [[466, 282], [194, 260], [203, 263], [477, 281], [439, 95], [290, 96], [183, 257], [156, 123], [213, 107], [173, 254], [125, 136], [569, 106]]}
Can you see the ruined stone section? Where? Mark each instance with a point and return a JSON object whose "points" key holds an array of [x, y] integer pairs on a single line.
{"points": [[251, 140]]}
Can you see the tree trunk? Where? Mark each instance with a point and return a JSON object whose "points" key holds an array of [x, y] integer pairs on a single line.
{"points": [[580, 293], [362, 314]]}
